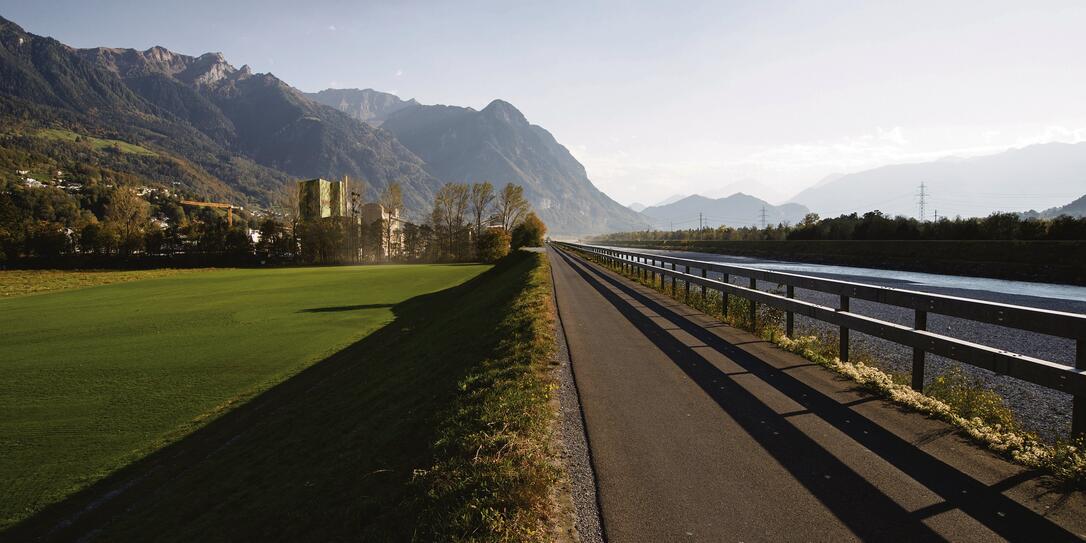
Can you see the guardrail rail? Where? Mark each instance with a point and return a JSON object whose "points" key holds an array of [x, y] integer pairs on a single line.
{"points": [[1053, 375]]}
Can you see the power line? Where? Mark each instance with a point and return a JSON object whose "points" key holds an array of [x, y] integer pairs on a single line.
{"points": [[763, 217], [922, 195]]}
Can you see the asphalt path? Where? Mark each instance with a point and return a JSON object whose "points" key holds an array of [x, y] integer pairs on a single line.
{"points": [[1039, 409], [701, 432]]}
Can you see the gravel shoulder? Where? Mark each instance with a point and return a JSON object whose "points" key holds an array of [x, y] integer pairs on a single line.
{"points": [[575, 451]]}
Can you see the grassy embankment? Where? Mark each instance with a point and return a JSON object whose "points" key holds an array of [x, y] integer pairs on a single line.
{"points": [[978, 412], [433, 426], [1049, 261]]}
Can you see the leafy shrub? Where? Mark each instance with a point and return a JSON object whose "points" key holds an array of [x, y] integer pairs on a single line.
{"points": [[529, 233], [493, 245]]}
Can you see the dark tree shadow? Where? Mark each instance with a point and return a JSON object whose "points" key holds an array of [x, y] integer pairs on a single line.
{"points": [[337, 309]]}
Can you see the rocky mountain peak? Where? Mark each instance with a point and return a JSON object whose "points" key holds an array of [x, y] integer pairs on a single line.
{"points": [[365, 105], [208, 69], [504, 111]]}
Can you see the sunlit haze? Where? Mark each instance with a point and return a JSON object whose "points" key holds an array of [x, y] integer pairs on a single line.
{"points": [[655, 99]]}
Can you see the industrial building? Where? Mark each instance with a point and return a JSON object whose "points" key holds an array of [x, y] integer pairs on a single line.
{"points": [[320, 198], [373, 212]]}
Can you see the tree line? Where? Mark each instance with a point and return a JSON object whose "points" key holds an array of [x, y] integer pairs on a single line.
{"points": [[875, 225], [122, 223]]}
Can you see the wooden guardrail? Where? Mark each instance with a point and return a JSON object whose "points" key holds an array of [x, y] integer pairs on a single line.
{"points": [[1049, 374]]}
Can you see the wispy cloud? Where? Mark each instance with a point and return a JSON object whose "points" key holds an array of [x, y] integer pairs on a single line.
{"points": [[399, 72], [332, 28]]}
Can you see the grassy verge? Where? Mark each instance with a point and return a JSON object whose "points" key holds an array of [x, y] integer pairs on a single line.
{"points": [[966, 404], [23, 282], [431, 428], [494, 473]]}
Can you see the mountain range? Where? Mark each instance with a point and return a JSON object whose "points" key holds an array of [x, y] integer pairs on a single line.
{"points": [[216, 131], [498, 144], [1076, 208], [1037, 177], [736, 210]]}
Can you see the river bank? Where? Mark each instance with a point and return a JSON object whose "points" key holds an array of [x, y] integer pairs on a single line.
{"points": [[1044, 261]]}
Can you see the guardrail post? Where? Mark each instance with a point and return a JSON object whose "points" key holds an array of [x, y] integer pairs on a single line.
{"points": [[920, 323], [843, 348], [686, 284], [673, 279], [1078, 403], [789, 317], [753, 306], [724, 297], [704, 291]]}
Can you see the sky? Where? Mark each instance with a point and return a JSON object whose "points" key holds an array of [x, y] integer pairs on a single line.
{"points": [[659, 98]]}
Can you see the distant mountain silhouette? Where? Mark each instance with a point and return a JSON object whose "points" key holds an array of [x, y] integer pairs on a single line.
{"points": [[637, 206], [1076, 208], [748, 186], [737, 210], [365, 105], [497, 144], [670, 200], [1037, 176]]}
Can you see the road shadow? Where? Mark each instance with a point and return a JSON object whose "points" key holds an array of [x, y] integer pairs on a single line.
{"points": [[858, 503], [337, 309], [326, 455]]}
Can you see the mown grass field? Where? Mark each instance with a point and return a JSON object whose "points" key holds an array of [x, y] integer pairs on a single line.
{"points": [[93, 379], [23, 282]]}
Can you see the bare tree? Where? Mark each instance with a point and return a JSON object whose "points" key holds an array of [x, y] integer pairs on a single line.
{"points": [[450, 208], [482, 195], [392, 201], [286, 203], [511, 206]]}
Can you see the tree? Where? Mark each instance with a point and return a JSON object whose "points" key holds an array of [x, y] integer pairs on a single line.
{"points": [[286, 204], [493, 245], [450, 207], [128, 214], [529, 233], [482, 196], [392, 202], [511, 206]]}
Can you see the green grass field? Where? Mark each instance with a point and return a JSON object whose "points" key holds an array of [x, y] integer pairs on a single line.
{"points": [[23, 282], [95, 378]]}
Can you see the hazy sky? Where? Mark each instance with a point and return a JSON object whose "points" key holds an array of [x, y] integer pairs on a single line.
{"points": [[666, 97]]}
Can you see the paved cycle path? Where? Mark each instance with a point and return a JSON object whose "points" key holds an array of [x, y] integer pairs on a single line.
{"points": [[701, 432]]}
